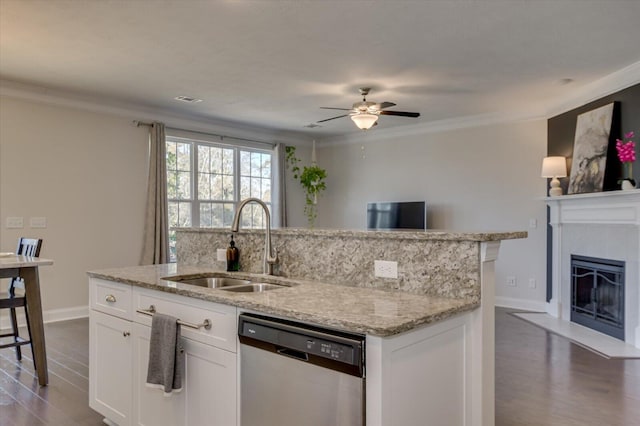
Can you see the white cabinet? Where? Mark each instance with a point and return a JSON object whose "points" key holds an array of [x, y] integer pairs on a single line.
{"points": [[209, 394], [111, 298], [110, 367], [110, 350], [119, 352], [423, 377]]}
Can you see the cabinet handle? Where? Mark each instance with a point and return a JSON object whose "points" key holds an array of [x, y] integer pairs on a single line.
{"points": [[126, 333], [110, 298], [152, 310]]}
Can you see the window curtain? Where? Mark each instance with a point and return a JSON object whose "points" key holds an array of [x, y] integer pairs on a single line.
{"points": [[279, 203], [155, 248]]}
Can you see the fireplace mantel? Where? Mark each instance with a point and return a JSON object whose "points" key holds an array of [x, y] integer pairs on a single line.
{"points": [[602, 224], [613, 207]]}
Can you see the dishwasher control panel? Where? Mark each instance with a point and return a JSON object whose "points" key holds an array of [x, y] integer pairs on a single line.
{"points": [[330, 350], [308, 340]]}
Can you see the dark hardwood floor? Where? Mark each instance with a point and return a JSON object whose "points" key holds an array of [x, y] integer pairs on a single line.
{"points": [[65, 402], [541, 379]]}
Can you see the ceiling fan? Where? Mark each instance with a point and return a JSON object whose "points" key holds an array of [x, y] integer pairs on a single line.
{"points": [[365, 114]]}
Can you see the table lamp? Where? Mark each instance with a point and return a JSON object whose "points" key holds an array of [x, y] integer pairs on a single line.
{"points": [[554, 167]]}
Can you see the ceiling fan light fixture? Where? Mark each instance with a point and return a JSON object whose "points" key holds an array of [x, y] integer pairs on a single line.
{"points": [[364, 121]]}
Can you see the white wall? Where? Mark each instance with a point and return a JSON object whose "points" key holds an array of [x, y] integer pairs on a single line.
{"points": [[86, 173], [476, 179]]}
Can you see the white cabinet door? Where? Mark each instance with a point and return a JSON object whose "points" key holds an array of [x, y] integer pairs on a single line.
{"points": [[152, 408], [211, 378], [209, 395], [110, 383]]}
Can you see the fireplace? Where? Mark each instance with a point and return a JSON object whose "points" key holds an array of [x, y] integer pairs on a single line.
{"points": [[597, 294], [603, 225]]}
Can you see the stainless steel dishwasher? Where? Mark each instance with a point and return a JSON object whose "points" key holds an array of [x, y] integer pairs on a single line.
{"points": [[293, 374]]}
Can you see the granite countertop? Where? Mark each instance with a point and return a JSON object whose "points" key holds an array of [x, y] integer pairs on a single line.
{"points": [[428, 234], [363, 310]]}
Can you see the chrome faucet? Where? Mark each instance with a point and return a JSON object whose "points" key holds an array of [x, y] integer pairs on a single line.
{"points": [[270, 255]]}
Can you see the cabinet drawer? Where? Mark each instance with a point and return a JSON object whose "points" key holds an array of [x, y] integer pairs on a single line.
{"points": [[223, 318], [111, 298]]}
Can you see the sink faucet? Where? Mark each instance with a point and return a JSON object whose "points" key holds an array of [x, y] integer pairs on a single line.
{"points": [[270, 255]]}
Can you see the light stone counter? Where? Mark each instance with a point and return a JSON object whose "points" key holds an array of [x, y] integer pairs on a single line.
{"points": [[364, 310], [433, 263], [428, 234]]}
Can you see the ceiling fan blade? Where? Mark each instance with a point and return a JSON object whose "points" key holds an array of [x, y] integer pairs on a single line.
{"points": [[401, 113], [333, 118], [384, 105], [339, 109]]}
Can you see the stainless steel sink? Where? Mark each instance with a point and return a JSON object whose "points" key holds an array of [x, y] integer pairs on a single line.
{"points": [[227, 284], [253, 287], [210, 282]]}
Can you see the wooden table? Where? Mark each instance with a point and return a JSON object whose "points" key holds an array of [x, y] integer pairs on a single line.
{"points": [[27, 268]]}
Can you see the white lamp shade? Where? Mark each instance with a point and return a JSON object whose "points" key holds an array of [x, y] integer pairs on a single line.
{"points": [[364, 121], [553, 167]]}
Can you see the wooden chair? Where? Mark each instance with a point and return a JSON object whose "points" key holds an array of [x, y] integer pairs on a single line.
{"points": [[11, 301]]}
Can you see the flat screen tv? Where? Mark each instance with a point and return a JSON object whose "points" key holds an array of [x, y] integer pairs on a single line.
{"points": [[397, 215]]}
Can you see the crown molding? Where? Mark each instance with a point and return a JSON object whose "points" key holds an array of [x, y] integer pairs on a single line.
{"points": [[607, 85], [39, 94], [590, 92]]}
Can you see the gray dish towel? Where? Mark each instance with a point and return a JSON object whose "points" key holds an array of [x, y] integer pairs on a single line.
{"points": [[166, 356]]}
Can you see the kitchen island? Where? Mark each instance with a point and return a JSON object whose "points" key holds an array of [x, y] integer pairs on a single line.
{"points": [[429, 348]]}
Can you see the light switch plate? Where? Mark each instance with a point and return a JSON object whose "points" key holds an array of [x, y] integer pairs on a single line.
{"points": [[15, 222], [38, 222]]}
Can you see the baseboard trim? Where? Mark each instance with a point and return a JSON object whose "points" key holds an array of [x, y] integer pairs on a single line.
{"points": [[528, 305], [52, 315]]}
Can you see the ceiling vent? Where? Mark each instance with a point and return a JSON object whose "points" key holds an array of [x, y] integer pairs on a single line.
{"points": [[187, 99]]}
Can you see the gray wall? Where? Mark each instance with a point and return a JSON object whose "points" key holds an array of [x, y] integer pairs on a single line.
{"points": [[562, 130]]}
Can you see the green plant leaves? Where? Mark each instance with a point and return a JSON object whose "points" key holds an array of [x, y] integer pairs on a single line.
{"points": [[312, 178]]}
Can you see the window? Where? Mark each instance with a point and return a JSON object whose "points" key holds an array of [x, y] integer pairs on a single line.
{"points": [[205, 182]]}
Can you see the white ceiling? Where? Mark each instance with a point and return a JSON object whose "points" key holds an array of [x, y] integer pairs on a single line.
{"points": [[272, 64]]}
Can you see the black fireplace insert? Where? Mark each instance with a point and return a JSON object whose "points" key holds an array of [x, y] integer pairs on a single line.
{"points": [[597, 294]]}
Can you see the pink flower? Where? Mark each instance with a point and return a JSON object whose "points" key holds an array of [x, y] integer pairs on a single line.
{"points": [[626, 149]]}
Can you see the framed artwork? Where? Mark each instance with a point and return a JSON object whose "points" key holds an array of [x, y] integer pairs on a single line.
{"points": [[593, 131]]}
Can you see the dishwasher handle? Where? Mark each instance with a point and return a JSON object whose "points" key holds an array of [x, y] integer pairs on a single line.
{"points": [[292, 353]]}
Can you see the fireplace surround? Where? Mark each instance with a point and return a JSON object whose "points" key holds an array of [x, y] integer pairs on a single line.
{"points": [[602, 225]]}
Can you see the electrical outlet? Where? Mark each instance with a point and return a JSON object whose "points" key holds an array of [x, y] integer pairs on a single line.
{"points": [[532, 283], [14, 222], [533, 223], [385, 269], [511, 281], [221, 255]]}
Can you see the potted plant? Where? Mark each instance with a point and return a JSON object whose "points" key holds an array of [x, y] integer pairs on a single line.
{"points": [[312, 178]]}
